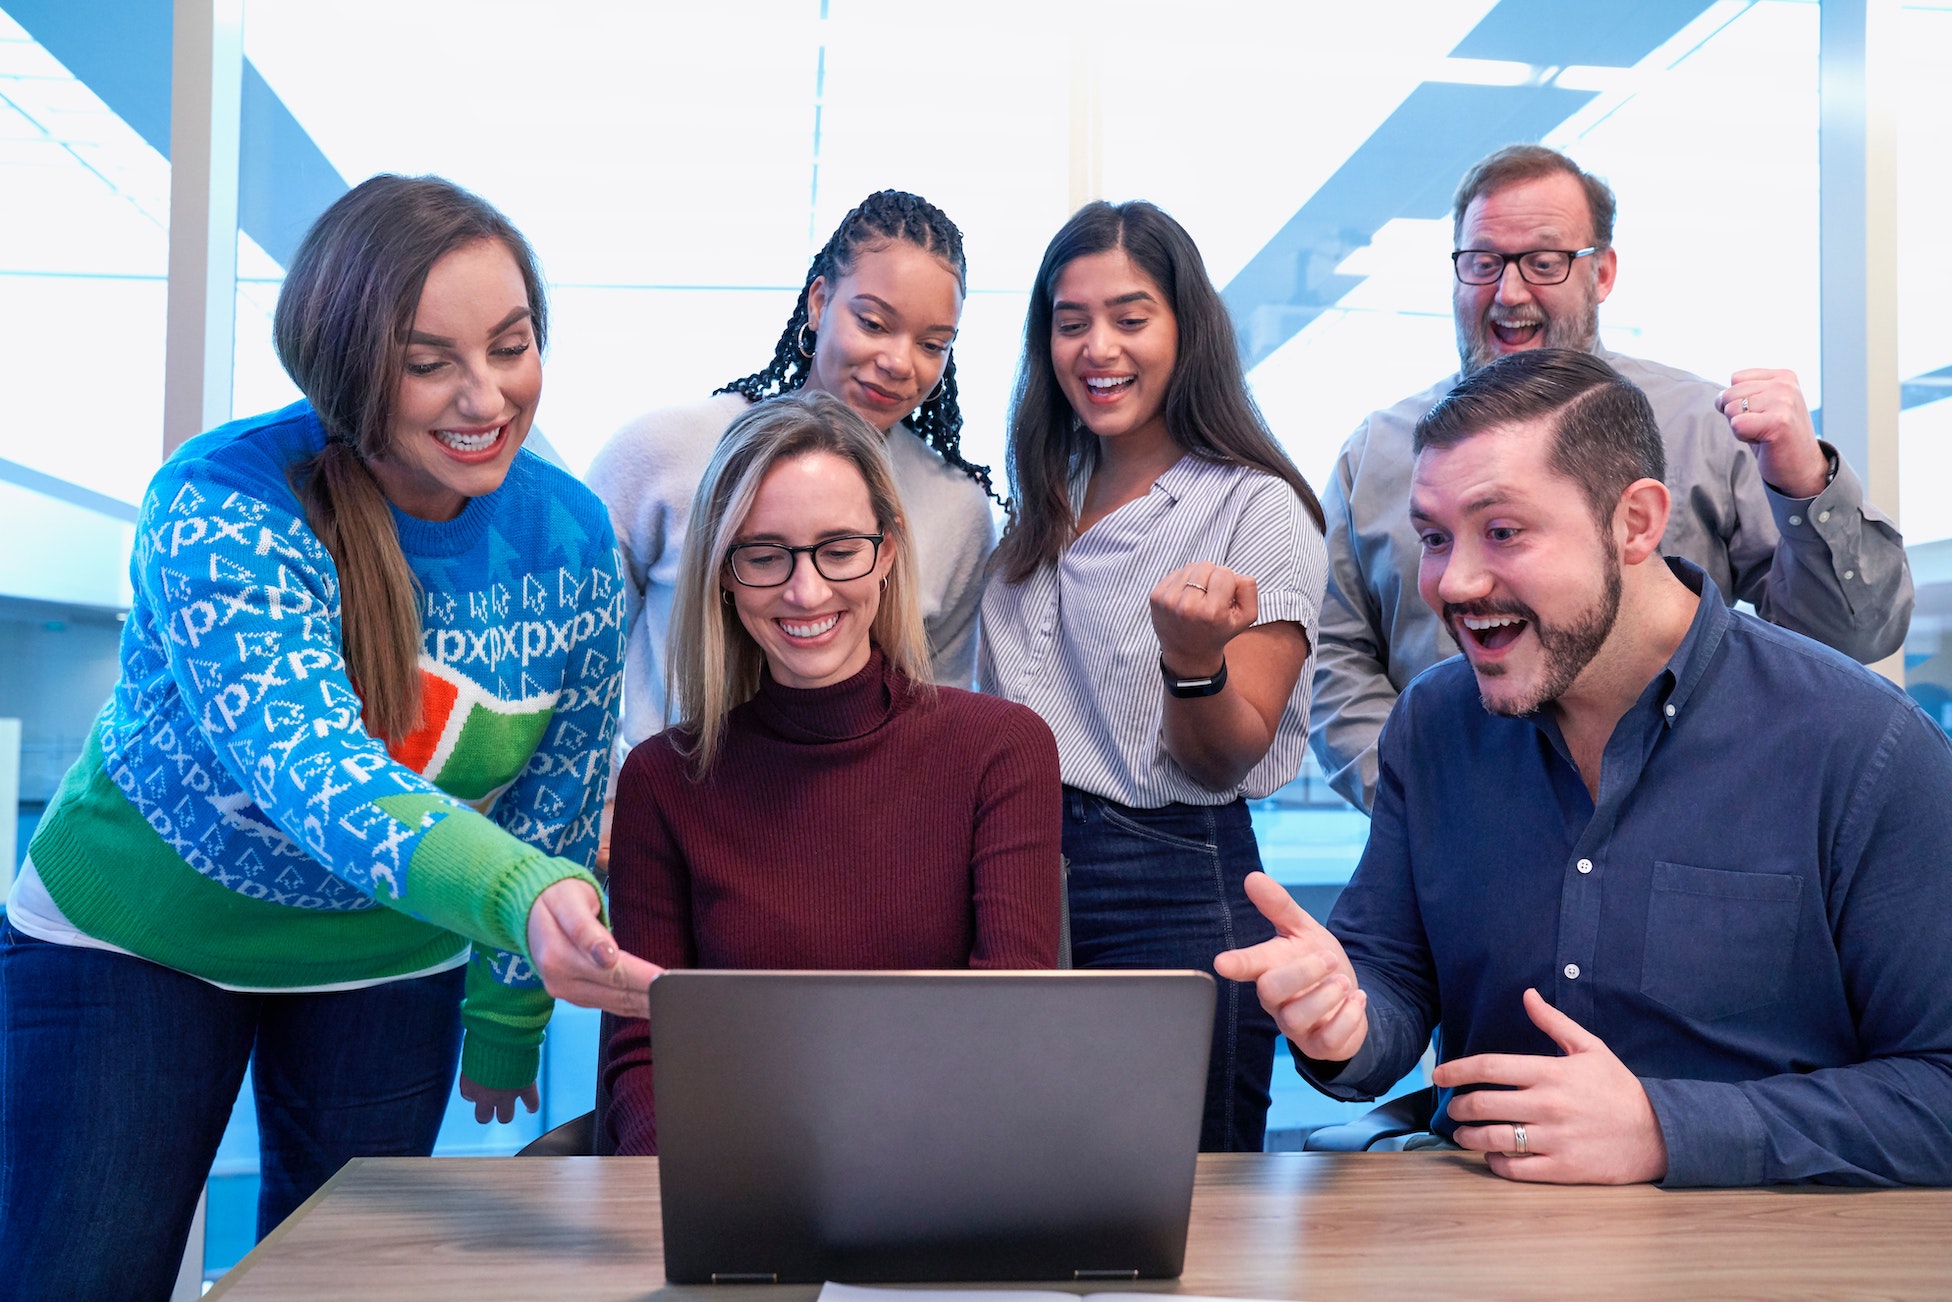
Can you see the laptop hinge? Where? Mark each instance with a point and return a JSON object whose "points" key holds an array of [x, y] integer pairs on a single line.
{"points": [[1104, 1274], [745, 1277]]}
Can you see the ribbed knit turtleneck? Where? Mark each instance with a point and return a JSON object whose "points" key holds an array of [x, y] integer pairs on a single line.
{"points": [[843, 711], [862, 825]]}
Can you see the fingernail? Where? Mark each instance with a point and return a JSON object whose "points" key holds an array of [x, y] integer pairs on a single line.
{"points": [[604, 953]]}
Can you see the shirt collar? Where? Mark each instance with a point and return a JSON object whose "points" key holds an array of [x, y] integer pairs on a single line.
{"points": [[1691, 659]]}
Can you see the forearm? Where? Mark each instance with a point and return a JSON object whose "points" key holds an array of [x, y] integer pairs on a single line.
{"points": [[503, 1016], [1216, 739], [1393, 1043], [1883, 1122], [1838, 572]]}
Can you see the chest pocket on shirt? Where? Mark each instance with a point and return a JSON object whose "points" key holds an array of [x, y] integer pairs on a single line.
{"points": [[1719, 943]]}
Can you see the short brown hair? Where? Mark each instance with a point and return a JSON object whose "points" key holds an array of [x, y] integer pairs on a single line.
{"points": [[1516, 163], [1604, 435]]}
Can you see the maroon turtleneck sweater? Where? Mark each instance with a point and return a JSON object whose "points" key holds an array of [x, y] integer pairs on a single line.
{"points": [[862, 825]]}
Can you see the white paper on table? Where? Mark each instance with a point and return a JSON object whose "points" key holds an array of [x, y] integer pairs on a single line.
{"points": [[832, 1292]]}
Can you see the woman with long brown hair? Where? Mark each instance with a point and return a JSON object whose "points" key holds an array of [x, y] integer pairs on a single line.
{"points": [[361, 728], [1155, 600]]}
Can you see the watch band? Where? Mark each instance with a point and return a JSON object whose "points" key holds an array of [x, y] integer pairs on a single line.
{"points": [[1190, 687]]}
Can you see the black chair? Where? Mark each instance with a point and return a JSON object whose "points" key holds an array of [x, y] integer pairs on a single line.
{"points": [[1406, 1114], [573, 1138]]}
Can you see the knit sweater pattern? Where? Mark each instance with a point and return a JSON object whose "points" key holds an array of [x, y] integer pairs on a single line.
{"points": [[232, 818], [865, 825]]}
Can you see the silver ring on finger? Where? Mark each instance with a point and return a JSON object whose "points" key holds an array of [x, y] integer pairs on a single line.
{"points": [[1745, 405], [1519, 1147], [1200, 586]]}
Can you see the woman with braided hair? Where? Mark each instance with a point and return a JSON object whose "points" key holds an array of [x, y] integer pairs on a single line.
{"points": [[873, 326]]}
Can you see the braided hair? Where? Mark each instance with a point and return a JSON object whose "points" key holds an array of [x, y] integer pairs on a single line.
{"points": [[883, 216]]}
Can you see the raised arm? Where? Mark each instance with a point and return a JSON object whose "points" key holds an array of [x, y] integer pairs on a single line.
{"points": [[1243, 624], [1833, 567]]}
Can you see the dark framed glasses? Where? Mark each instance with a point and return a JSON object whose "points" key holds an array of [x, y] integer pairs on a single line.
{"points": [[768, 565], [1537, 266]]}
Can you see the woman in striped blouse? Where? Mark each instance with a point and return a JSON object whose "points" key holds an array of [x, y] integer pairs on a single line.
{"points": [[1155, 600]]}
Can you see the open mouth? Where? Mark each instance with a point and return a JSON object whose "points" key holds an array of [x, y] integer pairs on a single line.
{"points": [[1107, 388], [1492, 632], [471, 444], [1516, 334], [808, 629]]}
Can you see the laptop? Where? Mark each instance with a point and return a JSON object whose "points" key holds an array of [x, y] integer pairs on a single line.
{"points": [[927, 1126]]}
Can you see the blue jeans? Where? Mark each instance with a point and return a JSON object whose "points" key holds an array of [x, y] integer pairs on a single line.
{"points": [[1162, 888], [117, 1077]]}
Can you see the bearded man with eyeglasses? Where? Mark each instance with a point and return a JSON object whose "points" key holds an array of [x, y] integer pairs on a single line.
{"points": [[1760, 503]]}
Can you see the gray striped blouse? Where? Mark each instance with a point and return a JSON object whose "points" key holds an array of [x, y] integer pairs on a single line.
{"points": [[1074, 641]]}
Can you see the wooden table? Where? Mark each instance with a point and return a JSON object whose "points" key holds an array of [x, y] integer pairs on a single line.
{"points": [[1297, 1225]]}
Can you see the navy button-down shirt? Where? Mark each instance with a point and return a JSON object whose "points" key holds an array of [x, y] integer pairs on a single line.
{"points": [[1755, 916]]}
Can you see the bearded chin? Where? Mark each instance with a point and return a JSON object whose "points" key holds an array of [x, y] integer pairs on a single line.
{"points": [[1477, 347], [1564, 652]]}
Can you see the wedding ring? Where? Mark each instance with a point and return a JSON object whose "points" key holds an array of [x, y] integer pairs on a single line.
{"points": [[1745, 404], [1518, 1140], [1200, 586]]}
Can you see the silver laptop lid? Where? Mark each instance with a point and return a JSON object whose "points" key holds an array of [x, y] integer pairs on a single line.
{"points": [[877, 1126]]}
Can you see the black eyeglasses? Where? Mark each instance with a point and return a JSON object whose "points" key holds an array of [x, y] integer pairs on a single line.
{"points": [[1537, 266], [768, 565]]}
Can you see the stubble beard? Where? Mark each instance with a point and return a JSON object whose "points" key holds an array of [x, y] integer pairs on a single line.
{"points": [[1564, 652]]}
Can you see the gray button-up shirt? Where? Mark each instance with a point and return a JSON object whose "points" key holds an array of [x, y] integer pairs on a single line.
{"points": [[1830, 567]]}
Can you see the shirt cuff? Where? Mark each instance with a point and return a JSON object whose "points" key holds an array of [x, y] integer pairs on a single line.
{"points": [[1803, 520], [1352, 1081], [1713, 1133]]}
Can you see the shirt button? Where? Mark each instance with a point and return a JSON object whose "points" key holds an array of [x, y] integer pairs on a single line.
{"points": [[1585, 865], [1572, 971], [1796, 519], [1822, 516], [1670, 709], [1850, 574]]}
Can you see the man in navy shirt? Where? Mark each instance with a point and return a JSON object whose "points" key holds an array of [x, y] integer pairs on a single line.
{"points": [[1670, 883]]}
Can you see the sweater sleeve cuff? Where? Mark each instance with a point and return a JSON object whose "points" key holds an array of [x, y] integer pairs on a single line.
{"points": [[502, 1048], [498, 1066], [1714, 1135]]}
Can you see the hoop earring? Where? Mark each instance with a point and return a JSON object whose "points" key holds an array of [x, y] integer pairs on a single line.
{"points": [[940, 385], [884, 583], [800, 341], [725, 594]]}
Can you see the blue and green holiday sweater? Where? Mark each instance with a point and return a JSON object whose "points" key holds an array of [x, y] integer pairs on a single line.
{"points": [[231, 816]]}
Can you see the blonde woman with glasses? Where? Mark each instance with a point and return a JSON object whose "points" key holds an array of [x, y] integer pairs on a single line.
{"points": [[819, 803]]}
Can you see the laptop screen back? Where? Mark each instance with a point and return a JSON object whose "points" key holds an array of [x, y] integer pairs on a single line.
{"points": [[876, 1126]]}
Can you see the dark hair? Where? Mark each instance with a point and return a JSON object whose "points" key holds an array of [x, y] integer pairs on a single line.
{"points": [[1516, 163], [341, 327], [1604, 436], [1208, 409], [882, 217]]}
